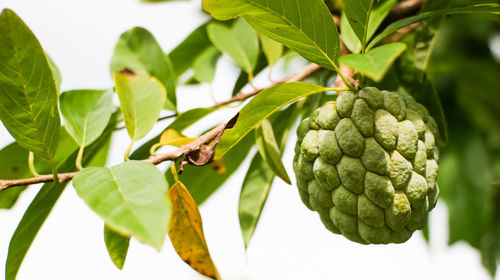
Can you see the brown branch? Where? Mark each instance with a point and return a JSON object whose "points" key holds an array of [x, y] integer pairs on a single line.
{"points": [[181, 151]]}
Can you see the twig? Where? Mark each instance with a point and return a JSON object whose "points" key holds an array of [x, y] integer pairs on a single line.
{"points": [[183, 150]]}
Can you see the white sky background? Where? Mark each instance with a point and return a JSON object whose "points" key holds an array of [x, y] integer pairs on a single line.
{"points": [[290, 242]]}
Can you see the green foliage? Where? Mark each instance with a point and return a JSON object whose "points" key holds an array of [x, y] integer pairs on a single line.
{"points": [[141, 100], [144, 212], [138, 51], [459, 82], [375, 63], [86, 114], [240, 42], [28, 90], [269, 149], [317, 40], [261, 107], [117, 245]]}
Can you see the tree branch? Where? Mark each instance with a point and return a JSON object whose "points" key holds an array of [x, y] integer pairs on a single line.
{"points": [[181, 151]]}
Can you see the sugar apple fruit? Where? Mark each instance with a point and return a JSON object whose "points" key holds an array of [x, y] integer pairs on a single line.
{"points": [[367, 164]]}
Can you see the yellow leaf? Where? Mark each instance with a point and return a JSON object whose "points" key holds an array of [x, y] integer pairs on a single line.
{"points": [[186, 232], [172, 137]]}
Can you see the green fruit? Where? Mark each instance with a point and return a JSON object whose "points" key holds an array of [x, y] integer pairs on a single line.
{"points": [[367, 164]]}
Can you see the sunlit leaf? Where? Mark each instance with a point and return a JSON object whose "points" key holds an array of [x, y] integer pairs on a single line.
{"points": [[375, 63], [86, 113], [130, 197], [306, 27], [138, 51], [240, 42], [28, 93], [272, 49], [141, 100], [261, 107], [186, 232]]}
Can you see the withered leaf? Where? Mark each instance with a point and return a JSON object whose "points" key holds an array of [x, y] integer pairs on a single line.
{"points": [[186, 232]]}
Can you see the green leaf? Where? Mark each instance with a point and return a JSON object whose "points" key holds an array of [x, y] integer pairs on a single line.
{"points": [[86, 113], [306, 27], [138, 51], [203, 181], [141, 101], [28, 93], [358, 14], [395, 26], [205, 64], [240, 42], [253, 196], [427, 33], [130, 197], [42, 205], [417, 84], [375, 63], [56, 73], [349, 38], [272, 49], [117, 245], [259, 177], [269, 150], [261, 107], [13, 165], [182, 56]]}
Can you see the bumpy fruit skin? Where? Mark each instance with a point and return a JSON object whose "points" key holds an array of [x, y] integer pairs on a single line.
{"points": [[368, 165]]}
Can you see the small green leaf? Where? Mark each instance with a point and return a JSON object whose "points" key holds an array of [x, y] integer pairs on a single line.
{"points": [[182, 56], [269, 150], [205, 64], [117, 245], [28, 93], [86, 113], [243, 77], [395, 26], [261, 107], [141, 101], [380, 10], [130, 197], [272, 49], [254, 192], [358, 14], [13, 165], [349, 38], [240, 42], [375, 63], [138, 51], [306, 27]]}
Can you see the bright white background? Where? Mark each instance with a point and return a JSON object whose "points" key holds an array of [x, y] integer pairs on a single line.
{"points": [[290, 241]]}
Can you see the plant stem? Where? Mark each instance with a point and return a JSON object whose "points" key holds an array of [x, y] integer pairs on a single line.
{"points": [[31, 164]]}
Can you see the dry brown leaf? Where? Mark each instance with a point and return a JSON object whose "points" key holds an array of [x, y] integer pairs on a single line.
{"points": [[186, 232]]}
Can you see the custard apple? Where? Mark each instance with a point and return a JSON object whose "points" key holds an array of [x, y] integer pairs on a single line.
{"points": [[367, 164]]}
